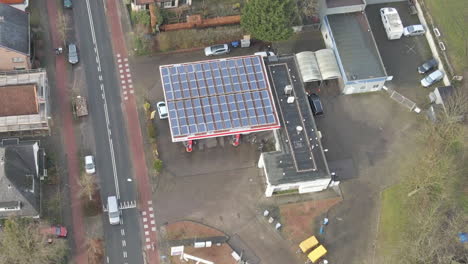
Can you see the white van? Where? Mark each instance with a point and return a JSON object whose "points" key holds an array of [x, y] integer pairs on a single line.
{"points": [[113, 210], [391, 22]]}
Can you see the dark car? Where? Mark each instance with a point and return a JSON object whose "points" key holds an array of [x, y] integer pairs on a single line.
{"points": [[67, 3], [315, 104], [428, 66]]}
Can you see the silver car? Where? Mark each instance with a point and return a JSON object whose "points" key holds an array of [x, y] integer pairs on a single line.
{"points": [[72, 53], [217, 50], [432, 78]]}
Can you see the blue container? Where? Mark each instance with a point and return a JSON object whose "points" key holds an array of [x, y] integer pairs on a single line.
{"points": [[235, 44]]}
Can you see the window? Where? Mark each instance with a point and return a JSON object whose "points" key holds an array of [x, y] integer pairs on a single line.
{"points": [[18, 59], [167, 4], [10, 206]]}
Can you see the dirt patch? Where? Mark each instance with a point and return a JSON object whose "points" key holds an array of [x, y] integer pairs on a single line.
{"points": [[188, 229], [216, 254], [299, 218]]}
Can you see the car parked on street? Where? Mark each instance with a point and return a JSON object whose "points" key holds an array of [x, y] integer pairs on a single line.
{"points": [[217, 50], [432, 78], [315, 104], [72, 54], [67, 3], [89, 165], [162, 110], [428, 66], [414, 30]]}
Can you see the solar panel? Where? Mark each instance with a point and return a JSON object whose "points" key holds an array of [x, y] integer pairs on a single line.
{"points": [[217, 96]]}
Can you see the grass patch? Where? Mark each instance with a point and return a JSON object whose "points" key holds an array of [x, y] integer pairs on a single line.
{"points": [[197, 38], [450, 16], [141, 45], [158, 165], [392, 219]]}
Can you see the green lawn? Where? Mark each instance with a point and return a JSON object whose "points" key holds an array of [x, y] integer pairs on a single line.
{"points": [[451, 17], [393, 217]]}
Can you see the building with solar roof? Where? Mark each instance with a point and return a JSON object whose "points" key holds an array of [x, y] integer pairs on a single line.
{"points": [[299, 162], [218, 97]]}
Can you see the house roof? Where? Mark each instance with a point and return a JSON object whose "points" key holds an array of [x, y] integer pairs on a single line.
{"points": [[12, 2], [19, 177], [144, 2], [18, 100], [355, 45], [301, 157], [14, 29]]}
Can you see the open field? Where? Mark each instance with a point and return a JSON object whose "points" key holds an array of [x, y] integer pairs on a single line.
{"points": [[451, 16]]}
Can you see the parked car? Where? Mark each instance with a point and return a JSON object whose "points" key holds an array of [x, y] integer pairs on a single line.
{"points": [[217, 50], [67, 3], [162, 110], [265, 53], [432, 78], [414, 30], [89, 165], [72, 53], [57, 231], [428, 66], [315, 104]]}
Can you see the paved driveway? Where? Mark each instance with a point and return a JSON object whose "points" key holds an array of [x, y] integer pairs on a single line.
{"points": [[401, 57]]}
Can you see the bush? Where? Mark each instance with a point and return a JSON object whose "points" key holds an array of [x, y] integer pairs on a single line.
{"points": [[141, 46], [158, 165], [141, 17], [197, 38], [151, 130]]}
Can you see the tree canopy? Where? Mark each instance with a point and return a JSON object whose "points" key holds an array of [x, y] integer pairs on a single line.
{"points": [[268, 20], [22, 242]]}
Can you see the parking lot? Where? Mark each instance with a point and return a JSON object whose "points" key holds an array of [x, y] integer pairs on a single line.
{"points": [[401, 57]]}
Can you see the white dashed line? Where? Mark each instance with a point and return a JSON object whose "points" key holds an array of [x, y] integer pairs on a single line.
{"points": [[131, 91], [125, 254], [143, 213], [127, 70], [148, 246], [130, 85], [150, 209], [123, 81], [125, 92], [126, 98], [129, 75], [148, 239], [152, 215], [150, 202], [146, 233], [152, 222], [126, 59], [124, 87], [122, 76], [119, 60], [120, 65], [126, 64], [99, 68], [153, 229], [145, 226], [122, 232], [145, 219], [129, 80], [118, 55], [100, 77], [124, 243]]}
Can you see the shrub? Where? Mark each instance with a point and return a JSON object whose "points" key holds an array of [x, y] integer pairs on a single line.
{"points": [[197, 38], [141, 17], [158, 165]]}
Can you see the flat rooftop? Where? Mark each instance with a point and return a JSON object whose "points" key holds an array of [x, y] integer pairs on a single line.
{"points": [[340, 3], [218, 97], [301, 157], [355, 43], [18, 100]]}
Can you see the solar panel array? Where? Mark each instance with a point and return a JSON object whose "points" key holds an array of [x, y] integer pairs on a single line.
{"points": [[217, 95]]}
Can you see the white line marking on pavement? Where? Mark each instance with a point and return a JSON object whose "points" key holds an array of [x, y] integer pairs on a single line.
{"points": [[126, 59], [125, 254], [102, 87], [130, 85], [131, 91], [124, 87], [100, 77], [129, 75], [107, 258], [120, 65], [102, 95], [125, 92], [148, 239], [143, 213], [127, 70], [97, 59], [99, 68], [126, 98], [146, 233], [118, 55], [119, 60], [121, 220], [150, 202], [126, 64], [151, 209], [148, 246], [153, 229], [152, 215], [145, 219], [145, 226], [130, 80], [122, 232], [123, 81], [124, 243]]}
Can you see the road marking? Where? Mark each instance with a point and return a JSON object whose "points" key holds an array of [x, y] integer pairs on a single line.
{"points": [[127, 70], [124, 243], [102, 95], [148, 239], [131, 91], [97, 59], [126, 59], [153, 229], [145, 226], [123, 81], [148, 246], [125, 92], [99, 68], [143, 213], [102, 87], [118, 55], [130, 85], [91, 23], [130, 80], [126, 98], [125, 254], [145, 219], [152, 215], [152, 222], [107, 258], [126, 64], [146, 233], [100, 77], [150, 202], [121, 71], [119, 60], [121, 220], [95, 49], [129, 75], [122, 232], [120, 65], [151, 209]]}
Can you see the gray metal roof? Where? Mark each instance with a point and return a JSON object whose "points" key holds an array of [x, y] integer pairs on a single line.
{"points": [[20, 177], [14, 29], [355, 43], [301, 157]]}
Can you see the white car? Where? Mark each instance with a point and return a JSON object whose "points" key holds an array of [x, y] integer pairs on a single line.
{"points": [[89, 165], [265, 53], [162, 110], [432, 78], [217, 50], [414, 30]]}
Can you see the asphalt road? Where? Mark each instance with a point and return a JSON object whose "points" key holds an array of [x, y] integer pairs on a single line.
{"points": [[113, 164]]}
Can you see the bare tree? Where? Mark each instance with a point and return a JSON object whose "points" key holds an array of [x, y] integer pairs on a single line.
{"points": [[87, 183], [22, 242], [95, 250]]}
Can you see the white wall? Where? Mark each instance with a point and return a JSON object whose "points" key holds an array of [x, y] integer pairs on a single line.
{"points": [[345, 9], [363, 87], [370, 2]]}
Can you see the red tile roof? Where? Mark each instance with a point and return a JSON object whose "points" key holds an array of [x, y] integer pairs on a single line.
{"points": [[18, 100], [12, 2]]}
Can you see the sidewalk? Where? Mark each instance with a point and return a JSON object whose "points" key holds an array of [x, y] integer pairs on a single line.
{"points": [[79, 252], [140, 169]]}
